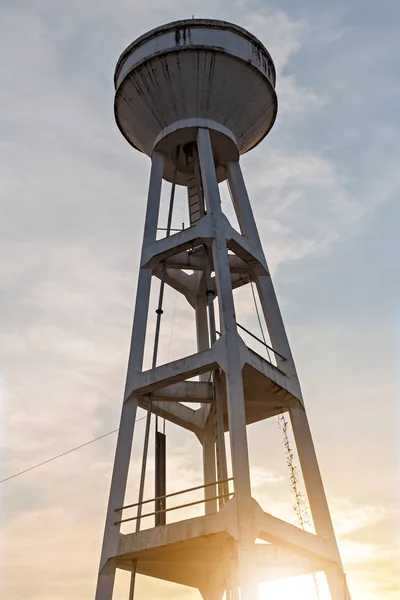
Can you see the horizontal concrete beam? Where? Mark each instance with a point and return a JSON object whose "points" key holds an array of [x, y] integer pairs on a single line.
{"points": [[183, 240], [195, 262], [276, 531], [179, 532], [269, 370], [186, 391], [177, 413], [241, 247], [239, 279], [276, 562], [178, 370], [181, 282]]}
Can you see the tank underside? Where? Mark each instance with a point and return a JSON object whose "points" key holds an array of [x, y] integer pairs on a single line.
{"points": [[200, 84]]}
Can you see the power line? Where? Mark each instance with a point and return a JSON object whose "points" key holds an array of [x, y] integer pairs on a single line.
{"points": [[45, 462]]}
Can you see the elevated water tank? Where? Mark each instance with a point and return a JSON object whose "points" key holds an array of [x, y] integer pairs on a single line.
{"points": [[196, 72]]}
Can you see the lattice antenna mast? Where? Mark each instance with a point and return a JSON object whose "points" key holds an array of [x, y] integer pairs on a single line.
{"points": [[194, 96]]}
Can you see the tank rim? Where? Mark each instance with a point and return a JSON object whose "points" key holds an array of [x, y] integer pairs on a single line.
{"points": [[216, 23]]}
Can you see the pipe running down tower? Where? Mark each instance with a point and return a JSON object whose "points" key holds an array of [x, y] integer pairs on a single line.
{"points": [[194, 95]]}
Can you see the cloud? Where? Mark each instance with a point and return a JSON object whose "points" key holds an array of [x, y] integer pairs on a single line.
{"points": [[352, 520], [369, 545], [261, 475]]}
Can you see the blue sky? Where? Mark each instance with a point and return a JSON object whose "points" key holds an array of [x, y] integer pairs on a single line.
{"points": [[324, 187]]}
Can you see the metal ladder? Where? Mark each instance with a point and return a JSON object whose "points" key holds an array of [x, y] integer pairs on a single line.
{"points": [[196, 206]]}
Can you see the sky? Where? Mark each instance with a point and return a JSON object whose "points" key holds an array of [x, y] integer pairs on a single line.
{"points": [[324, 186]]}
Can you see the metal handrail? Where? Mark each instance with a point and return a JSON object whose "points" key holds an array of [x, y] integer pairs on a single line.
{"points": [[261, 341], [157, 512], [166, 229], [193, 489]]}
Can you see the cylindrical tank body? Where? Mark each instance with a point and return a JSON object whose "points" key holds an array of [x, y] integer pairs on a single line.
{"points": [[196, 73]]}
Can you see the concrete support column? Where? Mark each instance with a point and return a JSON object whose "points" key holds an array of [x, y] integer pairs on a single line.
{"points": [[202, 333], [317, 498], [304, 443], [138, 338], [265, 288], [208, 441], [106, 578], [234, 383], [209, 469]]}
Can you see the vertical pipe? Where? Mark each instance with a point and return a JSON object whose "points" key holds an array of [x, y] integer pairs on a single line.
{"points": [[160, 478]]}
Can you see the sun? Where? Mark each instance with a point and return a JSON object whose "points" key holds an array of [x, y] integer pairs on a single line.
{"points": [[299, 588]]}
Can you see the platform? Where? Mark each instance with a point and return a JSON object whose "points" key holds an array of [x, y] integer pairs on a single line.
{"points": [[267, 392], [198, 552]]}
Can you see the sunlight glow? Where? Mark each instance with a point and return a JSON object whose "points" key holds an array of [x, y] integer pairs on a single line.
{"points": [[298, 588]]}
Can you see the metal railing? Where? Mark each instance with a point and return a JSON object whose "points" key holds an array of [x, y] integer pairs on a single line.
{"points": [[172, 494], [251, 334], [260, 341]]}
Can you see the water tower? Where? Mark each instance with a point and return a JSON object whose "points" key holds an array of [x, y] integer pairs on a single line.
{"points": [[195, 95]]}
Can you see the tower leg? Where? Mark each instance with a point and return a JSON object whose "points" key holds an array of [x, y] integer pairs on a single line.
{"points": [[266, 292], [305, 447], [105, 582], [208, 441], [214, 594], [337, 584], [106, 577], [202, 330], [209, 468], [317, 499], [234, 383]]}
